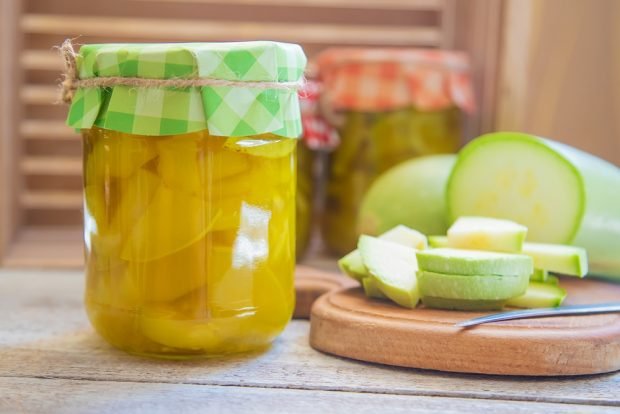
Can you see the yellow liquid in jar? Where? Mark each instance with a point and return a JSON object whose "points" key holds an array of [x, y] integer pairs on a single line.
{"points": [[190, 241]]}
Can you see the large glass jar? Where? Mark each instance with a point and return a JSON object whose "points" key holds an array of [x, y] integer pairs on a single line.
{"points": [[190, 235], [387, 106]]}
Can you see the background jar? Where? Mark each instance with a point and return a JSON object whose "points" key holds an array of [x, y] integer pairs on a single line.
{"points": [[388, 106], [318, 139], [304, 206]]}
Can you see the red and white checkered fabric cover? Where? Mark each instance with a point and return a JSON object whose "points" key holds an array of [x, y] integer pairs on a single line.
{"points": [[385, 79], [317, 133]]}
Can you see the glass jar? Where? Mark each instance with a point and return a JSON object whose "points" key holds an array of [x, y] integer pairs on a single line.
{"points": [[318, 138], [388, 106], [190, 235], [304, 198]]}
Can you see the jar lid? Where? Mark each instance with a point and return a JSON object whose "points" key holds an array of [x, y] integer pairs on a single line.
{"points": [[375, 79], [231, 89]]}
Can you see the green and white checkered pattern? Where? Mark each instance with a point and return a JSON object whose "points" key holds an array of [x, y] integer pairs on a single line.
{"points": [[223, 110]]}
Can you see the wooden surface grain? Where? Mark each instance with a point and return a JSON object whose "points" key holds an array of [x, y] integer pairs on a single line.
{"points": [[69, 396], [51, 361]]}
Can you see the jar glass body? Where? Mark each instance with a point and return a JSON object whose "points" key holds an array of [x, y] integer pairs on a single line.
{"points": [[304, 198], [372, 142], [189, 241]]}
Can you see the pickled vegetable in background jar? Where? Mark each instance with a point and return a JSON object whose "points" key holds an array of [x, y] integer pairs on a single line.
{"points": [[304, 198], [189, 208], [388, 105], [318, 137]]}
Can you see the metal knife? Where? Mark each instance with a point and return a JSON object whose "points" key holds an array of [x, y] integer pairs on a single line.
{"points": [[543, 313]]}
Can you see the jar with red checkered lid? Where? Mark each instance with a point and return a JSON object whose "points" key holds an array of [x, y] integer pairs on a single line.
{"points": [[387, 105]]}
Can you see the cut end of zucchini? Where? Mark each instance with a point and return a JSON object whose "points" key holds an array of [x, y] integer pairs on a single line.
{"points": [[539, 295], [471, 287], [473, 262], [405, 236], [539, 275], [483, 233], [438, 241], [393, 268], [568, 260], [353, 266], [521, 178], [372, 289]]}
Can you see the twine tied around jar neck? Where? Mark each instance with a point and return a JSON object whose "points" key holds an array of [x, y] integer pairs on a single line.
{"points": [[71, 81]]}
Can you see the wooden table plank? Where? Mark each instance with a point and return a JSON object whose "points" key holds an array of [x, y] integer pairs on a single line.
{"points": [[44, 333], [35, 395]]}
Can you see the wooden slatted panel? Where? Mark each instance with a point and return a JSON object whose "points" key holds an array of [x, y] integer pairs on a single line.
{"points": [[10, 214], [38, 94], [50, 164], [52, 199], [45, 129], [344, 4], [183, 30]]}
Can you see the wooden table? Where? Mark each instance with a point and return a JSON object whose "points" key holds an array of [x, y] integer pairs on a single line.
{"points": [[51, 361]]}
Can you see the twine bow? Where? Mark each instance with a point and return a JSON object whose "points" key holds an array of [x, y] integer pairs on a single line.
{"points": [[71, 81], [70, 77]]}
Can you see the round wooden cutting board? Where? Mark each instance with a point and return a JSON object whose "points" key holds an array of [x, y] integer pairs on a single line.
{"points": [[348, 324]]}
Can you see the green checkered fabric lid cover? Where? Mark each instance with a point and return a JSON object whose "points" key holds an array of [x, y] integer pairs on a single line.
{"points": [[223, 110]]}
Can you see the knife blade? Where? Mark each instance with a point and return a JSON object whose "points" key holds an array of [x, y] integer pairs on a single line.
{"points": [[593, 309]]}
